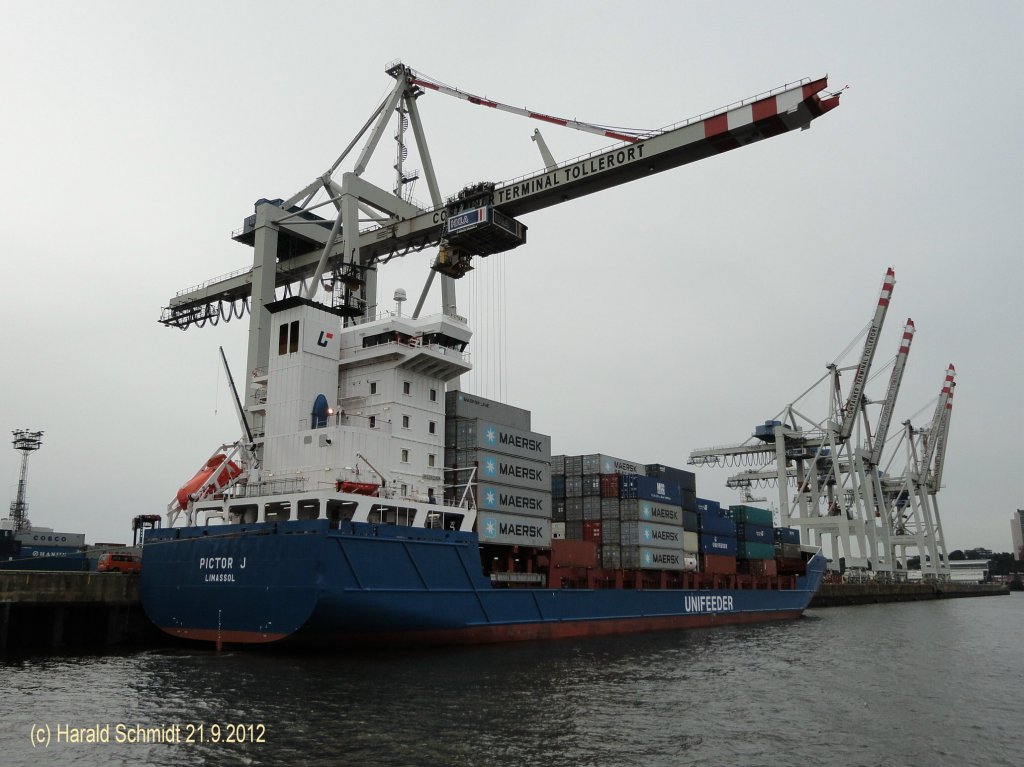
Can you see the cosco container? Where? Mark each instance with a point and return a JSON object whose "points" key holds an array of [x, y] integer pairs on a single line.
{"points": [[643, 558], [751, 515], [649, 489], [686, 480], [754, 533], [787, 535], [650, 511], [717, 544], [748, 550], [712, 524], [459, 404], [513, 530], [596, 463]]}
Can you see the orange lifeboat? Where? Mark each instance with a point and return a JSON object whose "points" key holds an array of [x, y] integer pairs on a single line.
{"points": [[358, 488], [227, 472]]}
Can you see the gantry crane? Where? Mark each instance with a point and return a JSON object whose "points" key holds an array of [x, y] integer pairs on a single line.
{"points": [[832, 497], [296, 248], [911, 501]]}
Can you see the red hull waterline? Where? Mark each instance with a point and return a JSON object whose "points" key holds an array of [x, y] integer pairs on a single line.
{"points": [[522, 632]]}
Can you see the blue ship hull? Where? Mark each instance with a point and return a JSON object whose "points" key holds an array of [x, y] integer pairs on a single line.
{"points": [[375, 585]]}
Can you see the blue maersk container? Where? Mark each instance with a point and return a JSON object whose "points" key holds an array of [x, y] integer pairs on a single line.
{"points": [[754, 533], [649, 489], [710, 523], [717, 544]]}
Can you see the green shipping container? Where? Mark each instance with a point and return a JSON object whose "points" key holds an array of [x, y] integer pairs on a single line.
{"points": [[750, 515], [749, 550]]}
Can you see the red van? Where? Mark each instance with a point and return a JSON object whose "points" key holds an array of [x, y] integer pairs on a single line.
{"points": [[119, 563]]}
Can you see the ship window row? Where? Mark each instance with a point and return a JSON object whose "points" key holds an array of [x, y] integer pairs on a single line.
{"points": [[344, 511]]}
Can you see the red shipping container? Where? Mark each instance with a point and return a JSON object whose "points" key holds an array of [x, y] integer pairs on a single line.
{"points": [[717, 564], [573, 553], [592, 531], [791, 567], [762, 567], [609, 485]]}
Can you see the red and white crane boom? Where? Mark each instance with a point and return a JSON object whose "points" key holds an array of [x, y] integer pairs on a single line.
{"points": [[889, 403], [940, 431], [860, 376]]}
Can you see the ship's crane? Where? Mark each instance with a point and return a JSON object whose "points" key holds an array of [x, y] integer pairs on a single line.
{"points": [[295, 244]]}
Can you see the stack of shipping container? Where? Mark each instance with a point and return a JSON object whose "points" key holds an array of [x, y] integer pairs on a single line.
{"points": [[642, 516], [491, 453]]}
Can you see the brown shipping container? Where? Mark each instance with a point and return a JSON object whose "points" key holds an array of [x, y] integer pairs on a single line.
{"points": [[609, 485], [566, 553], [717, 564], [592, 531], [791, 566], [762, 567]]}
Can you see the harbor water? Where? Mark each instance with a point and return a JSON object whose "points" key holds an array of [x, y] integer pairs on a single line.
{"points": [[928, 683]]}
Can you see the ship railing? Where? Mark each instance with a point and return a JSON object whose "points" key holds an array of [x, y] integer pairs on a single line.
{"points": [[414, 343], [281, 486]]}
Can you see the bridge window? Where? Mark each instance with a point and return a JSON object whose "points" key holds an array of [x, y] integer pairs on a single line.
{"points": [[308, 509], [340, 511], [406, 387], [405, 422], [373, 387], [246, 513], [278, 511], [432, 427]]}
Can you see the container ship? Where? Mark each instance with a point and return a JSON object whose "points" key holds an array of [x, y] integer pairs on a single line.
{"points": [[368, 506]]}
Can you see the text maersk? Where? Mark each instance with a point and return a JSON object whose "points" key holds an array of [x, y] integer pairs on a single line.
{"points": [[520, 472], [520, 502], [523, 443], [708, 604], [521, 530]]}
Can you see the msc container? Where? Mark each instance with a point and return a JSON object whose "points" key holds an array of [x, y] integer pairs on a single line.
{"points": [[573, 530], [611, 557], [649, 511], [597, 463], [722, 545], [478, 433], [717, 564], [592, 531], [690, 521], [649, 489], [610, 508], [787, 535], [609, 485], [751, 515], [458, 404], [558, 464], [558, 485], [703, 505], [573, 509], [557, 531], [653, 535], [686, 480], [573, 486], [643, 558], [567, 553], [754, 533], [512, 530], [748, 550], [591, 508], [713, 524], [574, 466], [592, 485], [513, 500]]}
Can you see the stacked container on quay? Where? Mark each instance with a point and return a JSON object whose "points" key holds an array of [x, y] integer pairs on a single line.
{"points": [[374, 508]]}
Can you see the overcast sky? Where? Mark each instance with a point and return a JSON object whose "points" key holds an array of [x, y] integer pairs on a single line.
{"points": [[668, 314]]}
